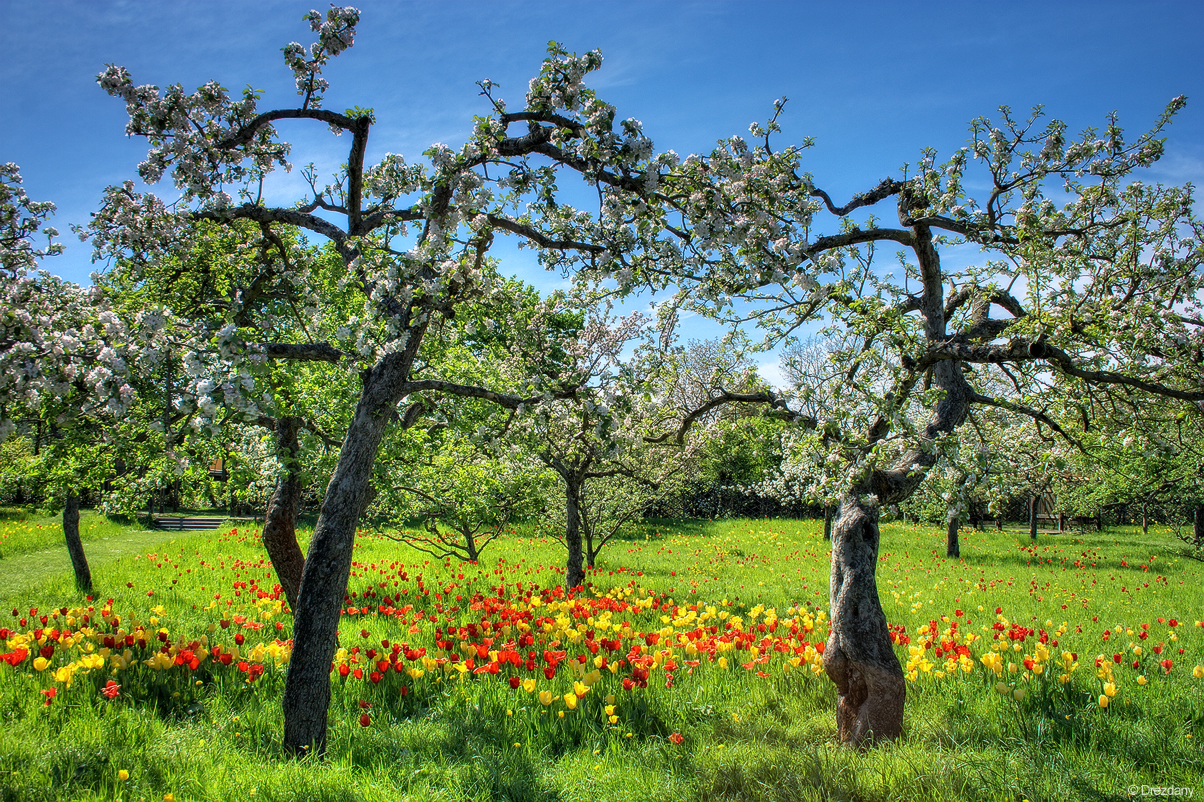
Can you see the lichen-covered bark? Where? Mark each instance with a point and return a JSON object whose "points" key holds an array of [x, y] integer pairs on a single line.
{"points": [[952, 546], [75, 546], [859, 656], [280, 519]]}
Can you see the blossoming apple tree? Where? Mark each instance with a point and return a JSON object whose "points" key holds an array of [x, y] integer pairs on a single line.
{"points": [[1081, 283], [64, 359], [413, 239]]}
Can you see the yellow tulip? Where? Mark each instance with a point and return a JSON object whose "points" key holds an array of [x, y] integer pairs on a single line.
{"points": [[529, 685], [41, 663], [545, 698], [570, 701]]}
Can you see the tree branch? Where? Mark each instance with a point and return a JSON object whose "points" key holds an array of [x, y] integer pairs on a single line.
{"points": [[264, 214], [303, 352], [1035, 414], [245, 134], [885, 188]]}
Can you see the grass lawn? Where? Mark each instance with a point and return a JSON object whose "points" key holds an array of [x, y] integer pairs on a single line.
{"points": [[1068, 668]]}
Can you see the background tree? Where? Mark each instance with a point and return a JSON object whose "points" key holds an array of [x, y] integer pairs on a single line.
{"points": [[63, 361], [1146, 461], [242, 277], [455, 470]]}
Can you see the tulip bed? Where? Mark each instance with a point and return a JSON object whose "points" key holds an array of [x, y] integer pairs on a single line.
{"points": [[690, 668]]}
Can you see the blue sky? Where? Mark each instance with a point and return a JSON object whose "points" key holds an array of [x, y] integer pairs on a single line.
{"points": [[874, 82]]}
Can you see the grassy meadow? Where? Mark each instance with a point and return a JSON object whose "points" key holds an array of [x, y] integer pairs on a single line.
{"points": [[1068, 668]]}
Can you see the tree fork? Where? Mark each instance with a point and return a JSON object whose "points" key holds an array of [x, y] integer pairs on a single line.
{"points": [[859, 656]]}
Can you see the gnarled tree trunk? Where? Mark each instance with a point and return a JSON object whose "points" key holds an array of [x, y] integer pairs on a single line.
{"points": [[75, 546], [859, 656], [280, 519]]}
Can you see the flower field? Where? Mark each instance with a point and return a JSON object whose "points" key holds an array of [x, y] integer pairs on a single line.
{"points": [[692, 667]]}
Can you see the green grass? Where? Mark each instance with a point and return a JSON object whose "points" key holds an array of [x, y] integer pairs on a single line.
{"points": [[29, 531], [744, 737]]}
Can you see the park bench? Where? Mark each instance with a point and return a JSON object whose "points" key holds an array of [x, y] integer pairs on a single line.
{"points": [[183, 523]]}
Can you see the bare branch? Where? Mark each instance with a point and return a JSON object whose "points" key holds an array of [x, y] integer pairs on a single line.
{"points": [[885, 188]]}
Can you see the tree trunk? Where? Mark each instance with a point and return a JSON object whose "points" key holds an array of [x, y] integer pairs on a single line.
{"points": [[952, 547], [1145, 521], [75, 546], [1198, 527], [1032, 518], [328, 564], [280, 519], [574, 575], [470, 545], [828, 522], [859, 656]]}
